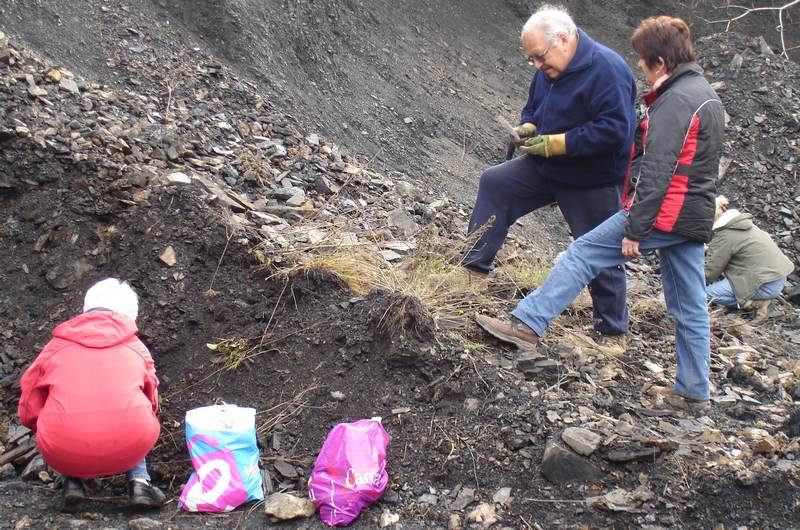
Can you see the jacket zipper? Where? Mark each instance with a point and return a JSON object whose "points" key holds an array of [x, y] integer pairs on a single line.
{"points": [[644, 152], [544, 103]]}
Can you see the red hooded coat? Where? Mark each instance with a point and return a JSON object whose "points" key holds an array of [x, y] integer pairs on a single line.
{"points": [[91, 396]]}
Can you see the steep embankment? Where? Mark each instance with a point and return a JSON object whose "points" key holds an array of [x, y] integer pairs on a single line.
{"points": [[410, 88], [154, 145]]}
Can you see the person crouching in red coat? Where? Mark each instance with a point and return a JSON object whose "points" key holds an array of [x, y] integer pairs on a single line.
{"points": [[91, 396]]}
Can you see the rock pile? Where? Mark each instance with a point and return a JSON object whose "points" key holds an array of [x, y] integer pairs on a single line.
{"points": [[761, 158], [207, 129], [18, 451]]}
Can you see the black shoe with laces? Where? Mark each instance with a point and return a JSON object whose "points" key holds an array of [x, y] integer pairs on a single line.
{"points": [[145, 495], [74, 492]]}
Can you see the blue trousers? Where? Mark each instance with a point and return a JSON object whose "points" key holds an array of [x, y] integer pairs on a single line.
{"points": [[140, 471], [515, 188], [683, 278], [721, 292]]}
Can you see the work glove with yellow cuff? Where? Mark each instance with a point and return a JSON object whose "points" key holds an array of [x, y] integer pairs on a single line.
{"points": [[545, 145], [524, 131]]}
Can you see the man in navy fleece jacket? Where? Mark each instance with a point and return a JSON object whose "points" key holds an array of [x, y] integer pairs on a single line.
{"points": [[576, 134]]}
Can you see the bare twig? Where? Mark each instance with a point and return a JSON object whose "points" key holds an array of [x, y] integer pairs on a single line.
{"points": [[283, 411], [475, 367], [556, 501], [264, 335], [229, 233], [170, 82], [748, 10]]}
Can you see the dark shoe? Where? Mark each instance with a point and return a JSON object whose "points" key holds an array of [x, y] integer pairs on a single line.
{"points": [[514, 332], [74, 492], [145, 495]]}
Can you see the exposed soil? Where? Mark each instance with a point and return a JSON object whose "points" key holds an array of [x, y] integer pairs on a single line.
{"points": [[84, 193]]}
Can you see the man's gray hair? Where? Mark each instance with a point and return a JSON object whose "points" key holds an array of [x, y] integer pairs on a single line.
{"points": [[551, 21]]}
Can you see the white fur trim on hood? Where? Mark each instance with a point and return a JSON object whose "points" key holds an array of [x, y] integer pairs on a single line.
{"points": [[726, 218]]}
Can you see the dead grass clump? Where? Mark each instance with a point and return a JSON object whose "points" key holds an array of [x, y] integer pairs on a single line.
{"points": [[523, 274], [431, 274], [405, 314]]}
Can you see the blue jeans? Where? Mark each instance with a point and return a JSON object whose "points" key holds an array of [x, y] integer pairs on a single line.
{"points": [[682, 276], [721, 292], [139, 471], [515, 188]]}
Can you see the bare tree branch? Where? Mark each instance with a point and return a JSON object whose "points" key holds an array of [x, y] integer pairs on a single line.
{"points": [[748, 10]]}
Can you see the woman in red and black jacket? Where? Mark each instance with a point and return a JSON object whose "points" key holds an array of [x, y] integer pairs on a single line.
{"points": [[668, 206], [671, 182]]}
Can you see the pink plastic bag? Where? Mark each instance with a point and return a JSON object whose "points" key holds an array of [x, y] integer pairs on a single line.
{"points": [[350, 471]]}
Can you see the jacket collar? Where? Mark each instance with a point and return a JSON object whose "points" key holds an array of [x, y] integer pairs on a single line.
{"points": [[583, 54], [726, 218], [683, 70]]}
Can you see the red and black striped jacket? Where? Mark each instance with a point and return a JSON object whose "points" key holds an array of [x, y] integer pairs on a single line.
{"points": [[671, 180]]}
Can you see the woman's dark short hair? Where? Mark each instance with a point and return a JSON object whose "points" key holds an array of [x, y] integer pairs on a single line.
{"points": [[666, 37]]}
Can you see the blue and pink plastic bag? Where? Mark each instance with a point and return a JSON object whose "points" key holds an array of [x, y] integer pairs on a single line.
{"points": [[350, 471], [222, 443]]}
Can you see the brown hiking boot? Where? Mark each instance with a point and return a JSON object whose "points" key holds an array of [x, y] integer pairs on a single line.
{"points": [[613, 345], [677, 401], [462, 277], [514, 332], [760, 307]]}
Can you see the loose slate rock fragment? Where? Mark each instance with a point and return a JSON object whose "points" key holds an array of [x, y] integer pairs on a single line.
{"points": [[561, 466], [286, 469], [144, 523], [582, 441], [502, 496], [168, 256], [483, 514], [465, 497], [629, 454]]}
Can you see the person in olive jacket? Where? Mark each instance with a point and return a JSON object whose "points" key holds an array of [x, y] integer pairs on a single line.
{"points": [[754, 269]]}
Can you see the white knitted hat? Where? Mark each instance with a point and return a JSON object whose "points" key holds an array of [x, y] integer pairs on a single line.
{"points": [[114, 295]]}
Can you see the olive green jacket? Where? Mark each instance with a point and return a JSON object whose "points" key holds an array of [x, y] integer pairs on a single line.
{"points": [[744, 254]]}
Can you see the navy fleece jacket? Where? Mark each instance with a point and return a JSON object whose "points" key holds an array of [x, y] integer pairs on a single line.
{"points": [[593, 102]]}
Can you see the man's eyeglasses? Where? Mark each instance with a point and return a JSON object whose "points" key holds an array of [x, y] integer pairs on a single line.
{"points": [[538, 57]]}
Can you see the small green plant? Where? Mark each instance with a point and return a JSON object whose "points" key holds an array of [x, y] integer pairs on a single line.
{"points": [[473, 346], [441, 266], [268, 261], [231, 352]]}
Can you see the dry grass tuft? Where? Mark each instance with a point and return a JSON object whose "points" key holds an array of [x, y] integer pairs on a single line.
{"points": [[431, 274]]}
